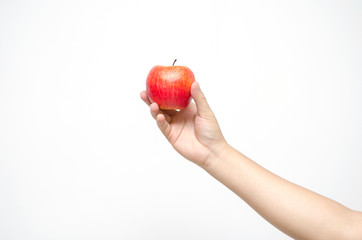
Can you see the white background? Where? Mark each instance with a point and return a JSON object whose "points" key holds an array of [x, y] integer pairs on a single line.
{"points": [[81, 157]]}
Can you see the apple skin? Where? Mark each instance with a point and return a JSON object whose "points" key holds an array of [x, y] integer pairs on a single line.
{"points": [[170, 86]]}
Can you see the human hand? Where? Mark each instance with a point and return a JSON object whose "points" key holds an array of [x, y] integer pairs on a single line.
{"points": [[193, 131]]}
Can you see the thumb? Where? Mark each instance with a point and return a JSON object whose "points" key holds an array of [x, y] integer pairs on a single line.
{"points": [[203, 108]]}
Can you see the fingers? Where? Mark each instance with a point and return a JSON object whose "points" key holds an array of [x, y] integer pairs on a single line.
{"points": [[155, 110], [145, 98], [163, 125], [163, 119], [203, 108]]}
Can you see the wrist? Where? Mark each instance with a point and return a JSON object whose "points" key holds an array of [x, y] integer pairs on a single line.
{"points": [[218, 154]]}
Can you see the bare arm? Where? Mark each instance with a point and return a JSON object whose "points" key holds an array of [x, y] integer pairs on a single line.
{"points": [[298, 212]]}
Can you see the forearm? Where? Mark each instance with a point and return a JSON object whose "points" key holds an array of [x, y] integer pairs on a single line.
{"points": [[298, 212]]}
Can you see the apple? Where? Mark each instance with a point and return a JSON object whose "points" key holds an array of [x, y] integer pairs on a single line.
{"points": [[170, 86]]}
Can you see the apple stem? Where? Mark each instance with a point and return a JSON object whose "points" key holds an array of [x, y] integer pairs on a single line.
{"points": [[174, 62]]}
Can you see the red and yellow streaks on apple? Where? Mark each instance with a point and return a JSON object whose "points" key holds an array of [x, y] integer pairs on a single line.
{"points": [[170, 86]]}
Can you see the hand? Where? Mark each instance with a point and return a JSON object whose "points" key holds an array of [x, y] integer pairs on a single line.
{"points": [[193, 131]]}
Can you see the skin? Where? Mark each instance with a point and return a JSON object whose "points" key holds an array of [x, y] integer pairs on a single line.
{"points": [[298, 212]]}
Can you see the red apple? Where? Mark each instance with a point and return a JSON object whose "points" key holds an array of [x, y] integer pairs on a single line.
{"points": [[170, 86]]}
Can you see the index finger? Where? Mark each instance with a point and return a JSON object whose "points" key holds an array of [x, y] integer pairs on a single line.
{"points": [[145, 98]]}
